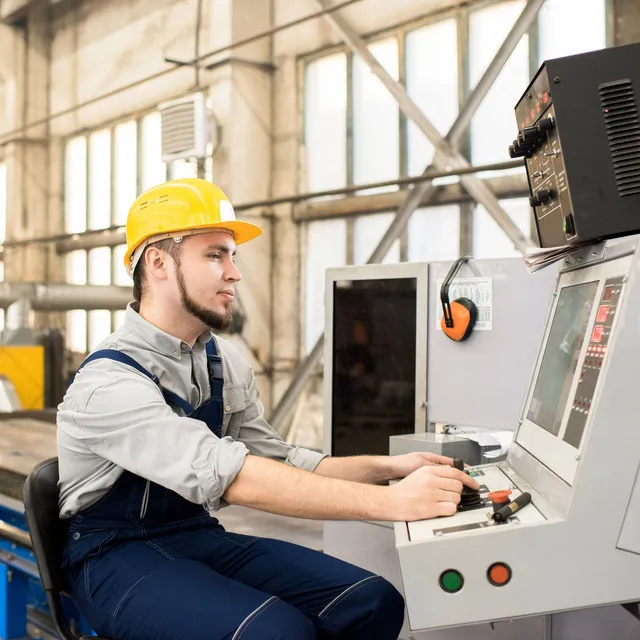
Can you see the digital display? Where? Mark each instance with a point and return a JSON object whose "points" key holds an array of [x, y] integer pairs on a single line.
{"points": [[560, 358], [374, 364]]}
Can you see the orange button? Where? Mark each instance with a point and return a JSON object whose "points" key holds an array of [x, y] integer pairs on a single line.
{"points": [[499, 574]]}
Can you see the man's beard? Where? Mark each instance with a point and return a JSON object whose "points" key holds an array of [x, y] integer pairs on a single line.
{"points": [[215, 321]]}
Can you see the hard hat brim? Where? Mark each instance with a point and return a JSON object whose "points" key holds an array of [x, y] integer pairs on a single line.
{"points": [[242, 232]]}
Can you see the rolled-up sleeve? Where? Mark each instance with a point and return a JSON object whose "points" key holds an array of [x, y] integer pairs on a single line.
{"points": [[263, 440], [125, 419]]}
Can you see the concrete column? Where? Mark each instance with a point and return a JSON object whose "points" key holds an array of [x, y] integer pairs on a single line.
{"points": [[27, 157], [241, 96]]}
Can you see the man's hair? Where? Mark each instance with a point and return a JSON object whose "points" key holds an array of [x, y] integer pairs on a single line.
{"points": [[139, 275]]}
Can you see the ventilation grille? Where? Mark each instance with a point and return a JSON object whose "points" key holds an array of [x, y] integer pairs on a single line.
{"points": [[184, 128], [623, 130]]}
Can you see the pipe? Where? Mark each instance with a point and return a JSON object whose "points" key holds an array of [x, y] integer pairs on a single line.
{"points": [[65, 297], [10, 136], [18, 315], [15, 535]]}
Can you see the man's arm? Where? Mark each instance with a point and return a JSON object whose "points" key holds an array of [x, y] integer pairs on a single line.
{"points": [[377, 469], [264, 484]]}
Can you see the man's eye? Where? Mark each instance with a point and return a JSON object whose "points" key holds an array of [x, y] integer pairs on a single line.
{"points": [[215, 256]]}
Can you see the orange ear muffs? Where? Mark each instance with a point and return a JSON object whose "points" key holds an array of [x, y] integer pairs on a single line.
{"points": [[460, 316]]}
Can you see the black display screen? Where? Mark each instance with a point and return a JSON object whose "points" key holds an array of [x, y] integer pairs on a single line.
{"points": [[374, 364], [560, 359]]}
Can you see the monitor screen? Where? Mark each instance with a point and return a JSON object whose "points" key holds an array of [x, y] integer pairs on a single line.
{"points": [[374, 364], [560, 359]]}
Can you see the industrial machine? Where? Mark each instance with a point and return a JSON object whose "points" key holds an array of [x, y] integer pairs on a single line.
{"points": [[556, 526], [576, 454], [394, 382]]}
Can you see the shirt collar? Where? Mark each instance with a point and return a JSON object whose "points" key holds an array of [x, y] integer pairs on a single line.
{"points": [[160, 340]]}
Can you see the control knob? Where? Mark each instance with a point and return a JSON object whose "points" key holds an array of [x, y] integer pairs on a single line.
{"points": [[541, 197]]}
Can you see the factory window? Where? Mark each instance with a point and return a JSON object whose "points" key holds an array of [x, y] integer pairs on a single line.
{"points": [[326, 246], [376, 117], [104, 172], [432, 83], [434, 234], [354, 133], [494, 124], [367, 233], [560, 34], [326, 123], [488, 239]]}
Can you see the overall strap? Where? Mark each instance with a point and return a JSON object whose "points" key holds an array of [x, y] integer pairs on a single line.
{"points": [[113, 354], [215, 369], [118, 356]]}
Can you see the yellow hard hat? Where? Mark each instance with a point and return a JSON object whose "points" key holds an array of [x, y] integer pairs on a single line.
{"points": [[189, 205]]}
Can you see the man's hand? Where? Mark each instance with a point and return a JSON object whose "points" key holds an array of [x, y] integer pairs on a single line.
{"points": [[403, 465], [429, 492]]}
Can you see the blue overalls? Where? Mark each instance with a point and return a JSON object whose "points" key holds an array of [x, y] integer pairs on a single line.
{"points": [[144, 563]]}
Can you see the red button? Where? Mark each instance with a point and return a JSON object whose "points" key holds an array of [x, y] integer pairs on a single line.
{"points": [[499, 496], [499, 574]]}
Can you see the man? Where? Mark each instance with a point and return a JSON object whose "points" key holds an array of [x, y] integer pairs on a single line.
{"points": [[162, 426]]}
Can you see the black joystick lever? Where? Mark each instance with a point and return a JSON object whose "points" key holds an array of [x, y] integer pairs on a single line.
{"points": [[470, 498]]}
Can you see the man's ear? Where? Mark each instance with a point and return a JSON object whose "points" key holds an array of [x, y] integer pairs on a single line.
{"points": [[156, 263]]}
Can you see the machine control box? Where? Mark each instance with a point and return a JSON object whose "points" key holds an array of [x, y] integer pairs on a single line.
{"points": [[579, 133]]}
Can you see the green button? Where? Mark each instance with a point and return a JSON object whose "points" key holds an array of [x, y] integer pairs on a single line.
{"points": [[451, 580]]}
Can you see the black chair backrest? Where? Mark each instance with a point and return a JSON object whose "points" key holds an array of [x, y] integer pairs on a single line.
{"points": [[40, 497]]}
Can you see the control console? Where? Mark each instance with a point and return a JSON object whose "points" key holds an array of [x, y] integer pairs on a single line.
{"points": [[579, 135]]}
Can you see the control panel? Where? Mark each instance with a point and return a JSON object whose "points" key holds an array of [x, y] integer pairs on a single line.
{"points": [[538, 143], [592, 365], [497, 490], [579, 135]]}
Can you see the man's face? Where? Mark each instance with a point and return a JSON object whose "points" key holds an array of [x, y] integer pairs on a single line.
{"points": [[206, 275]]}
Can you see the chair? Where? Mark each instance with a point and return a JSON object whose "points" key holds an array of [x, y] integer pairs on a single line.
{"points": [[40, 497]]}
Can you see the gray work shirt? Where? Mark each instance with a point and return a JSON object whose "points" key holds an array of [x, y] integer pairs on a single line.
{"points": [[114, 418]]}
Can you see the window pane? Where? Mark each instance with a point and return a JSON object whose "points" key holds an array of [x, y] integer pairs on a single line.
{"points": [[326, 122], [76, 267], [3, 202], [494, 127], [153, 170], [434, 234], [120, 276], [100, 266], [75, 186], [99, 327], [432, 83], [326, 247], [125, 170], [376, 119], [76, 339], [183, 169], [566, 29], [367, 233], [100, 179], [489, 241]]}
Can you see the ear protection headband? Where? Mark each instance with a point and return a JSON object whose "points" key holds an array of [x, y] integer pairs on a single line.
{"points": [[459, 317]]}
